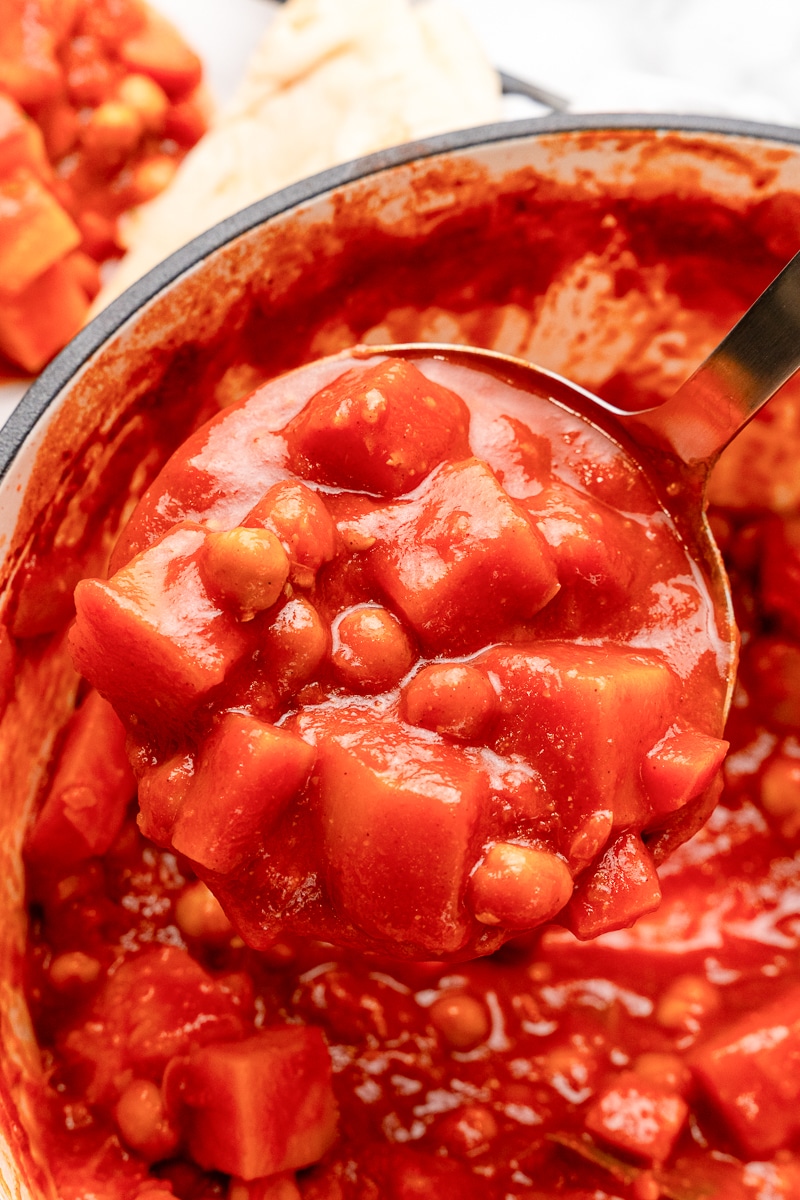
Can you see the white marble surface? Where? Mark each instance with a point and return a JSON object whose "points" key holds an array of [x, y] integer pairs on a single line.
{"points": [[722, 57], [725, 57]]}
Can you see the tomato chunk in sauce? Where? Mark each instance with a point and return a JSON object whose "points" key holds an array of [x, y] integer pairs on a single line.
{"points": [[409, 660]]}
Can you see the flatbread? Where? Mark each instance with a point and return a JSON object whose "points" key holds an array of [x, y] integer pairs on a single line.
{"points": [[331, 80]]}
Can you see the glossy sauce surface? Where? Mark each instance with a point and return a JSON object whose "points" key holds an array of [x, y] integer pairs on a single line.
{"points": [[554, 1065], [509, 1076], [410, 659]]}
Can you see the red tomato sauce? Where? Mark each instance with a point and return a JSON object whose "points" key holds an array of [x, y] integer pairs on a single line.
{"points": [[409, 660], [641, 1064], [655, 1061]]}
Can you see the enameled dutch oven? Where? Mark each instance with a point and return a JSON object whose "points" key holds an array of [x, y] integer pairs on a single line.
{"points": [[513, 236]]}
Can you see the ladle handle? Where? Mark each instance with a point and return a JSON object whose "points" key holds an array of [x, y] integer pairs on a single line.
{"points": [[748, 366]]}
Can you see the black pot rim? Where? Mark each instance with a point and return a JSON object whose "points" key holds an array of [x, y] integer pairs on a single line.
{"points": [[76, 353]]}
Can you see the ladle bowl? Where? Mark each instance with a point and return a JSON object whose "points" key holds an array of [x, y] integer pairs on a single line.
{"points": [[677, 443]]}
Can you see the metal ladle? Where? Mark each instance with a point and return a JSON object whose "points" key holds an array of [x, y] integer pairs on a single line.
{"points": [[678, 442]]}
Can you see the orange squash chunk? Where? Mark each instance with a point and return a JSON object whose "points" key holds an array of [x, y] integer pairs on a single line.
{"points": [[37, 322], [400, 817], [382, 430], [151, 639], [35, 231], [259, 1106], [245, 775], [90, 792], [584, 715], [462, 559]]}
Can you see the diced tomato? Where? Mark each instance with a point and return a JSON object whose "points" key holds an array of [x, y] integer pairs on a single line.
{"points": [[37, 322], [90, 792], [381, 430], [681, 767], [90, 73], [245, 775], [110, 21], [638, 1117], [169, 642], [462, 559], [259, 1106], [98, 235], [751, 1072], [158, 1004], [622, 887], [86, 271], [395, 805], [159, 51]]}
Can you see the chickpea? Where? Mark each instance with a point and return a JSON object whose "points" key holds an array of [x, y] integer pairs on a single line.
{"points": [[146, 98], [142, 1120], [371, 650], [247, 567], [454, 699], [666, 1071], [276, 1187], [468, 1130], [112, 130], [519, 886], [780, 793], [300, 519], [279, 954], [199, 914], [687, 1001], [150, 177], [646, 1187], [73, 970], [462, 1020], [295, 644], [571, 1069]]}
